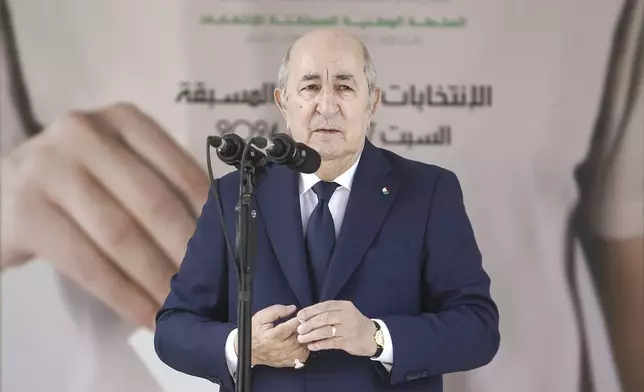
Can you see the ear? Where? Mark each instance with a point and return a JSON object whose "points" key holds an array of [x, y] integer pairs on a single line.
{"points": [[375, 101], [279, 96]]}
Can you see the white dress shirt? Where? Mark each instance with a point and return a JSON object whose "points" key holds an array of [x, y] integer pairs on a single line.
{"points": [[337, 205]]}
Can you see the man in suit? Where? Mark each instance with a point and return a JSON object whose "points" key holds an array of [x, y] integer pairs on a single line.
{"points": [[367, 277]]}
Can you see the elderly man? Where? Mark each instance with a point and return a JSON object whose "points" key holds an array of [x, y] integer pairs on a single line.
{"points": [[368, 271]]}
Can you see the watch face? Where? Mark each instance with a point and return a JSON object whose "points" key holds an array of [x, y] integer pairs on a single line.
{"points": [[380, 340]]}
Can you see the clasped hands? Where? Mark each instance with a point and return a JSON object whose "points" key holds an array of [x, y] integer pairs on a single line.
{"points": [[327, 325]]}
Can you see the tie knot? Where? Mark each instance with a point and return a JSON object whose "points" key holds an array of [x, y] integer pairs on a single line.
{"points": [[325, 190]]}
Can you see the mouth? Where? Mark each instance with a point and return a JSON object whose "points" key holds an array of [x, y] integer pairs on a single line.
{"points": [[327, 131]]}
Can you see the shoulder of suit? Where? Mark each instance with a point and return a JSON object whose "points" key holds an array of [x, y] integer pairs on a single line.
{"points": [[227, 185], [415, 169], [229, 179]]}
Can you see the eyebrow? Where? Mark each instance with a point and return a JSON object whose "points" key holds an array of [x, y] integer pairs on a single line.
{"points": [[340, 76]]}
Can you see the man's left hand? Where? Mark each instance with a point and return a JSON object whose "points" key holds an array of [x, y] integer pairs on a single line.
{"points": [[337, 325]]}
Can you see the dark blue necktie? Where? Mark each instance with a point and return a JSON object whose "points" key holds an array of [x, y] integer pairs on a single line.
{"points": [[320, 234]]}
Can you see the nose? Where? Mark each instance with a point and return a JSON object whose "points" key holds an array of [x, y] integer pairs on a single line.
{"points": [[327, 104]]}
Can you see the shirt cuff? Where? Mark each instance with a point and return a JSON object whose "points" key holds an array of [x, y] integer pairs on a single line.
{"points": [[231, 357], [387, 355]]}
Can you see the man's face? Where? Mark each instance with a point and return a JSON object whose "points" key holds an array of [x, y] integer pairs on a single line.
{"points": [[326, 102]]}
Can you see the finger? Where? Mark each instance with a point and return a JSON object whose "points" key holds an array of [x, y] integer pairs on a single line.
{"points": [[284, 330], [130, 180], [155, 146], [321, 333], [114, 231], [326, 344], [273, 313], [320, 320], [314, 310], [13, 249], [75, 256]]}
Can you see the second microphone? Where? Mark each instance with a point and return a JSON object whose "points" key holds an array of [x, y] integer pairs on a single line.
{"points": [[283, 150]]}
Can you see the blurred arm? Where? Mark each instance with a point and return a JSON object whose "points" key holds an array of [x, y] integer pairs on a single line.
{"points": [[616, 207], [16, 121], [620, 282]]}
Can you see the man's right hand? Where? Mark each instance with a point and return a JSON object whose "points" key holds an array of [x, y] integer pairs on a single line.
{"points": [[276, 346], [110, 199]]}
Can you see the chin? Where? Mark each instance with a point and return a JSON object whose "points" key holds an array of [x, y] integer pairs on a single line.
{"points": [[329, 151]]}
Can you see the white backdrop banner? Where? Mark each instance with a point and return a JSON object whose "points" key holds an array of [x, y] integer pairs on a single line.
{"points": [[505, 93]]}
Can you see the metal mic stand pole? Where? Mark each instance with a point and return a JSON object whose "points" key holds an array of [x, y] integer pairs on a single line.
{"points": [[246, 246]]}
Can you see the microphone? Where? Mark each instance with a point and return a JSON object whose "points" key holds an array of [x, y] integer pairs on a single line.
{"points": [[229, 148], [283, 150]]}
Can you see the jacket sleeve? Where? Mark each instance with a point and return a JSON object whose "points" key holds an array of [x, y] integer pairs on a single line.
{"points": [[458, 330], [192, 325]]}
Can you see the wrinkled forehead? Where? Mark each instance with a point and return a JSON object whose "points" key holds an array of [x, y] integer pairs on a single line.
{"points": [[327, 59]]}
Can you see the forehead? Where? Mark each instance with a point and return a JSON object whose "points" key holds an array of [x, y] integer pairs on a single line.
{"points": [[326, 55]]}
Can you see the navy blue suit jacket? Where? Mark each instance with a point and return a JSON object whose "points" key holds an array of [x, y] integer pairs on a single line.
{"points": [[408, 257]]}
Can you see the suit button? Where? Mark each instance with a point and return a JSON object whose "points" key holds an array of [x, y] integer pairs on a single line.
{"points": [[314, 354]]}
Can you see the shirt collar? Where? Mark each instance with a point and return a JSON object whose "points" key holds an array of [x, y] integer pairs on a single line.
{"points": [[344, 180]]}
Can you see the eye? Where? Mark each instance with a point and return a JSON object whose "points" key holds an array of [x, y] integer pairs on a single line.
{"points": [[345, 88], [310, 87]]}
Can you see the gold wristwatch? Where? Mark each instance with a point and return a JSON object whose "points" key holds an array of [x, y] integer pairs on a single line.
{"points": [[379, 338]]}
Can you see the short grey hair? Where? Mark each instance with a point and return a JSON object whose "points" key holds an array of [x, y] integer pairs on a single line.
{"points": [[369, 71]]}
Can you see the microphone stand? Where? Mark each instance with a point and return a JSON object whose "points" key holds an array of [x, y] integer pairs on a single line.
{"points": [[251, 165], [246, 250]]}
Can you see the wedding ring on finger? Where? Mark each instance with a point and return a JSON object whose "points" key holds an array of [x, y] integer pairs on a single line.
{"points": [[298, 364]]}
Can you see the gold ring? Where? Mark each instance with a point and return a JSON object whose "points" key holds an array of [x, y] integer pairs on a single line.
{"points": [[298, 364]]}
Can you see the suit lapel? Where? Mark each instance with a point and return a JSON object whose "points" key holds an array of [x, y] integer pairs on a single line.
{"points": [[372, 194], [279, 206]]}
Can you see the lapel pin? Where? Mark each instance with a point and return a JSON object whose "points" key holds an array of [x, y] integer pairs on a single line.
{"points": [[385, 191]]}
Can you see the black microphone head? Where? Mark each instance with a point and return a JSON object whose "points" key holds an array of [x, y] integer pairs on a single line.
{"points": [[283, 137], [259, 142], [235, 138], [307, 160], [284, 147], [232, 151], [214, 141]]}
